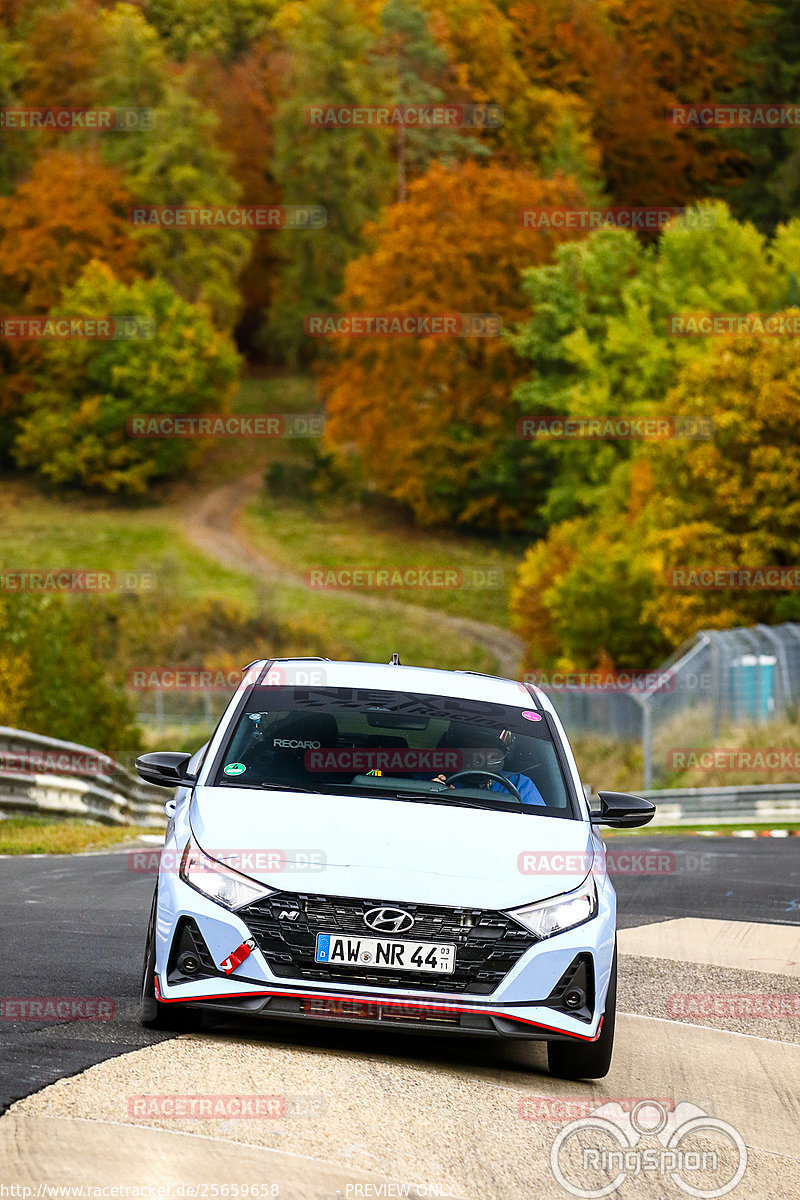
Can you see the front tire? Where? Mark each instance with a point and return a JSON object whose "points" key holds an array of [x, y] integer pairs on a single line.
{"points": [[588, 1060], [179, 1018]]}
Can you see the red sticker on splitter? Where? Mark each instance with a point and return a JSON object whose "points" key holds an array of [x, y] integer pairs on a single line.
{"points": [[234, 959]]}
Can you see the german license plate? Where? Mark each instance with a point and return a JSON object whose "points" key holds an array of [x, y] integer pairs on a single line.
{"points": [[389, 954]]}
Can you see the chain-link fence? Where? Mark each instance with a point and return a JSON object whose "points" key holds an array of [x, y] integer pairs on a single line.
{"points": [[737, 676]]}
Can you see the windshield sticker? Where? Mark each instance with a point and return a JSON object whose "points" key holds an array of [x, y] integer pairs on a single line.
{"points": [[531, 716], [234, 768]]}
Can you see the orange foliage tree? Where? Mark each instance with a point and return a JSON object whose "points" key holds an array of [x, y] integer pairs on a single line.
{"points": [[72, 209], [243, 95], [432, 417], [630, 60], [62, 48]]}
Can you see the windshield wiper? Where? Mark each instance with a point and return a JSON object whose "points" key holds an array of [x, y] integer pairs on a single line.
{"points": [[274, 787], [290, 787], [438, 797]]}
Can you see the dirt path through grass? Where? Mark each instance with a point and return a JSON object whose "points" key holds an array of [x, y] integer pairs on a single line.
{"points": [[212, 522]]}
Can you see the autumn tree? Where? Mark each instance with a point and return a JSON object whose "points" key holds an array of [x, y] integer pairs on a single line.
{"points": [[224, 28], [602, 586], [583, 597], [72, 209], [629, 60], [172, 161], [62, 48], [15, 145], [598, 340], [331, 63], [545, 129], [243, 94], [414, 65], [733, 499], [433, 417], [74, 431], [46, 639]]}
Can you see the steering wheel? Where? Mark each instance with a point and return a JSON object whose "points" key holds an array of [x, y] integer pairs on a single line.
{"points": [[511, 787]]}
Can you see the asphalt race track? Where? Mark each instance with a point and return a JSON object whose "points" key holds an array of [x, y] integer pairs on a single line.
{"points": [[74, 927]]}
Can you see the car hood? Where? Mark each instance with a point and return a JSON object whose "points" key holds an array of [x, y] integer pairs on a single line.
{"points": [[393, 850]]}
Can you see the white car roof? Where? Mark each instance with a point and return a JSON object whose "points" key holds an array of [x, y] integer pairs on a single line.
{"points": [[324, 672]]}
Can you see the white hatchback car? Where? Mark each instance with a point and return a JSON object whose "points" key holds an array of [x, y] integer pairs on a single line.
{"points": [[388, 846]]}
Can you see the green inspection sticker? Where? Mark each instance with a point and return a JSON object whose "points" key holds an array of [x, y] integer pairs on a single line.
{"points": [[234, 768]]}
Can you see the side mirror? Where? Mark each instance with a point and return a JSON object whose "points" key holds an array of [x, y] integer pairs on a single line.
{"points": [[165, 768], [621, 811]]}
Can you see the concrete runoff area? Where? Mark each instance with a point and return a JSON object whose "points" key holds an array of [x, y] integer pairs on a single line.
{"points": [[86, 1154], [747, 945], [472, 1131]]}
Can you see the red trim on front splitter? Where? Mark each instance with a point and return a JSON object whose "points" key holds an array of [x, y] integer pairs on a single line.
{"points": [[372, 1000]]}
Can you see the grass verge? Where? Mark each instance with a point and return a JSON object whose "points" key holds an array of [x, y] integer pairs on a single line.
{"points": [[49, 835], [716, 830]]}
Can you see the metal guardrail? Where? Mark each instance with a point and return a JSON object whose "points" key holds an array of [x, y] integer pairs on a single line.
{"points": [[756, 803], [94, 785]]}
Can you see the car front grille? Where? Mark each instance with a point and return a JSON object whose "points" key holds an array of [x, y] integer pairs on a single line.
{"points": [[285, 927]]}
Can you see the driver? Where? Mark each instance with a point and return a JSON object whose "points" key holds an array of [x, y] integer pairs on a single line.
{"points": [[492, 757]]}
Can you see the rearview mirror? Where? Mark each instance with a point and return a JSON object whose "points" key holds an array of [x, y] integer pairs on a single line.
{"points": [[621, 811], [165, 768]]}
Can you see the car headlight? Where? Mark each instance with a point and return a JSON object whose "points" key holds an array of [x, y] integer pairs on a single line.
{"points": [[562, 912], [218, 881]]}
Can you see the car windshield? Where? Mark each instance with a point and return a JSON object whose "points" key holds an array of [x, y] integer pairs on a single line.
{"points": [[411, 747]]}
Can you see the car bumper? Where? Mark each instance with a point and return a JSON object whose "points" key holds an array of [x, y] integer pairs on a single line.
{"points": [[515, 1009]]}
